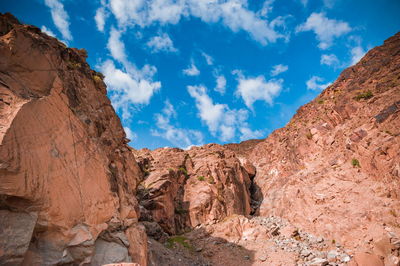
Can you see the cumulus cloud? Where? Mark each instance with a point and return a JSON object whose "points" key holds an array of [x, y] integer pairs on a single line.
{"points": [[47, 31], [278, 69], [128, 89], [60, 17], [177, 136], [100, 18], [315, 83], [329, 60], [247, 133], [234, 14], [255, 89], [116, 46], [222, 122], [208, 58], [356, 54], [192, 70], [130, 134], [266, 8], [221, 84], [161, 43], [129, 86], [325, 29]]}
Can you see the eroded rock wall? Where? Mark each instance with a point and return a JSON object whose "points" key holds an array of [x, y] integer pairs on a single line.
{"points": [[67, 178], [183, 189], [334, 169]]}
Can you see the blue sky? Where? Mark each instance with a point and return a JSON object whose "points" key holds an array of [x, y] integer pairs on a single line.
{"points": [[190, 72]]}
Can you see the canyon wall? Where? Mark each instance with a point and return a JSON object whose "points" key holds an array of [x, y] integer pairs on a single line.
{"points": [[334, 169], [67, 177]]}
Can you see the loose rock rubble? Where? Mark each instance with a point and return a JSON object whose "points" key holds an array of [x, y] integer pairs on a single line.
{"points": [[264, 237]]}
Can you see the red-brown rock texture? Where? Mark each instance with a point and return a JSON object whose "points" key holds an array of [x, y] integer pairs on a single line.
{"points": [[334, 169], [183, 189], [67, 177]]}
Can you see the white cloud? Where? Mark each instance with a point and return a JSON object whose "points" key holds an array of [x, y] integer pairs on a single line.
{"points": [[325, 29], [161, 43], [208, 58], [254, 89], [209, 112], [278, 69], [177, 136], [356, 54], [247, 133], [117, 50], [192, 70], [314, 83], [116, 46], [222, 122], [128, 89], [100, 18], [48, 31], [128, 86], [130, 134], [60, 17], [145, 12], [329, 60], [234, 14], [221, 84], [266, 8]]}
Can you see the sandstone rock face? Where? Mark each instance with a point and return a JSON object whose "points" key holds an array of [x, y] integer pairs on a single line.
{"points": [[67, 178], [183, 189], [334, 169]]}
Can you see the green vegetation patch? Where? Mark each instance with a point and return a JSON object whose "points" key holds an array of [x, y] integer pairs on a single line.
{"points": [[181, 240], [184, 171], [355, 163], [201, 178], [364, 95]]}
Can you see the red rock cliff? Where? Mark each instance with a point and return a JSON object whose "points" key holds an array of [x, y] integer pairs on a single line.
{"points": [[335, 168], [67, 178]]}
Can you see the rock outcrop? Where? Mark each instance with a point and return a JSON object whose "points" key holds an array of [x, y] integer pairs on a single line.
{"points": [[67, 178], [334, 169], [183, 189]]}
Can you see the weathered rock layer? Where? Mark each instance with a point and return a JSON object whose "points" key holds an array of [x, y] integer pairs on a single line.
{"points": [[183, 189]]}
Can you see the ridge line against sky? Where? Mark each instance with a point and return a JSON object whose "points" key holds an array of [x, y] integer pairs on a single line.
{"points": [[189, 72]]}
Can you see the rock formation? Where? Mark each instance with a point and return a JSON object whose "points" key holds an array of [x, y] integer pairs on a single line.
{"points": [[183, 189], [323, 190], [334, 169], [67, 178]]}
